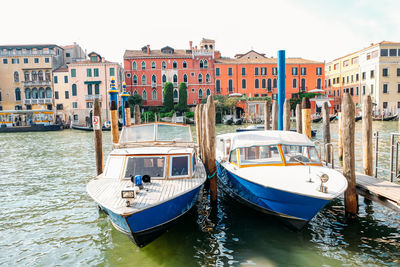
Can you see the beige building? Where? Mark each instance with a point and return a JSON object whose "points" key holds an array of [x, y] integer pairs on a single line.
{"points": [[62, 88]]}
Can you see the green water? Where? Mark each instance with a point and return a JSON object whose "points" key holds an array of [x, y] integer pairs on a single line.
{"points": [[47, 219]]}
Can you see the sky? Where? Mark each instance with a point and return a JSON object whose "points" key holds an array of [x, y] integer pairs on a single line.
{"points": [[313, 29]]}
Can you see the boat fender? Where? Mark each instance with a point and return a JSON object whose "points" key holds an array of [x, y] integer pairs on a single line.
{"points": [[138, 181], [146, 179]]}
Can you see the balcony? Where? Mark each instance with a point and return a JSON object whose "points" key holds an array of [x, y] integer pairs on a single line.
{"points": [[175, 84], [36, 83], [34, 101], [27, 101], [153, 85], [92, 97]]}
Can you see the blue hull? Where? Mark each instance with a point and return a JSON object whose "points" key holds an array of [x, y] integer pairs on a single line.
{"points": [[146, 225], [298, 209]]}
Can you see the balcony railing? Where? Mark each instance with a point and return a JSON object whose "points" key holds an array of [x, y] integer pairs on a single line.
{"points": [[27, 101], [175, 84], [36, 83], [34, 101], [153, 85], [92, 97], [38, 101]]}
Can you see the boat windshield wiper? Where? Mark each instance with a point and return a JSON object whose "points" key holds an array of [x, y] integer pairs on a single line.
{"points": [[296, 159]]}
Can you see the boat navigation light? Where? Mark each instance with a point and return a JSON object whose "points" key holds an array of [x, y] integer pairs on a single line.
{"points": [[324, 178]]}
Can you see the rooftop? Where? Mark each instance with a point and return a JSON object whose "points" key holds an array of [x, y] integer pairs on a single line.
{"points": [[158, 53], [29, 46]]}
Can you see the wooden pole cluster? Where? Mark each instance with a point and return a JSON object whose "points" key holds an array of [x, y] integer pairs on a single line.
{"points": [[127, 113], [274, 115], [340, 136], [298, 119], [114, 122], [98, 139], [286, 115], [327, 132], [137, 115], [350, 196], [367, 135], [306, 116], [267, 116]]}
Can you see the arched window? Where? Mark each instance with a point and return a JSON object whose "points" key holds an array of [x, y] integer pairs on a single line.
{"points": [[40, 75], [275, 84], [48, 92], [294, 84], [185, 78], [243, 83], [205, 64], [319, 83], [144, 95], [230, 85], [175, 94], [74, 90], [144, 81], [200, 94], [143, 65], [184, 65], [208, 92], [134, 65], [164, 78], [47, 75], [200, 78], [303, 84], [154, 95], [28, 93], [34, 93], [16, 76], [134, 79], [153, 65], [263, 83], [34, 76], [269, 85], [41, 93], [175, 65], [256, 83], [153, 79], [175, 78], [207, 78], [135, 92], [17, 94], [201, 64], [27, 76], [218, 86], [163, 65]]}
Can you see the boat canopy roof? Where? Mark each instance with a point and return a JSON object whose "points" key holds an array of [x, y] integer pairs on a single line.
{"points": [[156, 132], [26, 111], [263, 138], [156, 150]]}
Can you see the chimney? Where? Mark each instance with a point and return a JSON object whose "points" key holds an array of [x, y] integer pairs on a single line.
{"points": [[190, 45], [148, 49]]}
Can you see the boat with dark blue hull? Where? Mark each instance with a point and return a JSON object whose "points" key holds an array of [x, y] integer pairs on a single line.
{"points": [[278, 173], [152, 178]]}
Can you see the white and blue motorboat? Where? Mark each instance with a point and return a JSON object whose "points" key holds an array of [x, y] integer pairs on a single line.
{"points": [[152, 178], [277, 172]]}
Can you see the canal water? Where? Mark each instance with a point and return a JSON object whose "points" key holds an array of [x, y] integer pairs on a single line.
{"points": [[47, 219]]}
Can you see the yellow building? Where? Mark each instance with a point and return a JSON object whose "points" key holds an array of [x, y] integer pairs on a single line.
{"points": [[62, 88], [26, 76]]}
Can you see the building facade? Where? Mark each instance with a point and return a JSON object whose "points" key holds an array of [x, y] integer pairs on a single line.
{"points": [[73, 53], [26, 73], [62, 92], [147, 70]]}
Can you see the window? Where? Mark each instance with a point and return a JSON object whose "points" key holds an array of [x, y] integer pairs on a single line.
{"points": [[76, 115], [153, 79], [256, 71], [154, 95], [174, 65], [144, 80], [134, 65], [218, 86], [201, 64], [27, 93], [264, 71], [88, 72], [112, 72], [89, 89], [184, 65], [372, 88], [65, 79], [385, 104], [200, 78], [41, 92], [36, 60], [74, 90], [128, 75], [164, 78], [398, 88], [143, 65], [200, 94], [385, 88], [67, 54], [243, 83], [144, 95], [294, 83], [363, 90], [93, 59], [96, 72], [16, 76], [229, 71], [75, 105], [217, 72], [351, 91], [269, 85], [34, 93], [274, 83], [208, 78], [55, 79], [40, 75], [15, 61], [243, 71], [185, 78], [73, 72], [398, 72], [319, 83], [392, 52], [46, 60], [230, 86], [96, 89], [319, 71], [163, 65], [294, 71], [371, 74], [256, 83], [175, 78], [274, 71], [303, 84], [384, 53], [153, 65], [208, 92], [5, 61], [89, 104], [385, 72], [363, 75], [134, 79], [17, 94], [59, 107], [357, 77], [175, 95], [357, 90], [303, 71], [26, 60], [34, 76], [48, 92], [263, 83], [206, 64]]}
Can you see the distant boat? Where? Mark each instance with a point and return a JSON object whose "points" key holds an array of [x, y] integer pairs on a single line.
{"points": [[318, 119], [88, 128], [386, 118], [278, 173]]}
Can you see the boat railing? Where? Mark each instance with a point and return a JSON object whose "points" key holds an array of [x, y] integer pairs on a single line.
{"points": [[157, 143]]}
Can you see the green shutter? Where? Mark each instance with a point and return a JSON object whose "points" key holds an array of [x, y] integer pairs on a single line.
{"points": [[55, 79], [89, 72], [96, 72], [112, 71], [73, 72]]}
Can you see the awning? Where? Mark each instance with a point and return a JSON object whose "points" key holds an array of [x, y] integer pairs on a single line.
{"points": [[320, 103], [92, 82]]}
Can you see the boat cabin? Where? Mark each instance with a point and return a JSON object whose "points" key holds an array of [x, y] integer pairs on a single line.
{"points": [[266, 148], [12, 118]]}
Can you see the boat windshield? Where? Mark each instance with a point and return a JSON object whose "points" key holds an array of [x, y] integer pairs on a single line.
{"points": [[170, 132], [300, 154], [259, 155], [152, 166], [137, 133]]}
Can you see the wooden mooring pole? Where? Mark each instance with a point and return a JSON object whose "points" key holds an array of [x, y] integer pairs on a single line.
{"points": [[267, 116], [127, 113], [274, 115], [98, 139], [210, 139], [350, 196], [286, 115], [114, 122], [203, 134], [137, 115], [340, 136], [298, 119], [306, 116], [367, 135], [327, 132]]}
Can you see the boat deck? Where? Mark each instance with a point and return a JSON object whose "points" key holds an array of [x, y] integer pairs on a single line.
{"points": [[107, 191]]}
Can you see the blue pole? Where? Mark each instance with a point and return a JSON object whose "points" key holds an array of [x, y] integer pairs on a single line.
{"points": [[281, 86], [124, 95]]}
